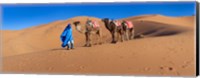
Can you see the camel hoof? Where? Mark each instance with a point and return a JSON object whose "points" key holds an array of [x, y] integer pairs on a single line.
{"points": [[142, 36], [85, 45], [100, 43], [114, 42], [95, 43], [89, 45]]}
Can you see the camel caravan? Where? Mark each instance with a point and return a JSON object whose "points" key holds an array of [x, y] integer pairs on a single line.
{"points": [[123, 29], [120, 31]]}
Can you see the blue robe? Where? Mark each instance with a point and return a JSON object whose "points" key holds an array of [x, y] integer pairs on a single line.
{"points": [[67, 37]]}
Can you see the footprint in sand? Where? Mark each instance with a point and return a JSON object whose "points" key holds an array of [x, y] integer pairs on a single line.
{"points": [[147, 69], [50, 68], [121, 57], [167, 70], [170, 68], [186, 64], [81, 68]]}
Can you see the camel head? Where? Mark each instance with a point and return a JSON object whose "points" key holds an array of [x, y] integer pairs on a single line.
{"points": [[77, 25], [105, 20]]}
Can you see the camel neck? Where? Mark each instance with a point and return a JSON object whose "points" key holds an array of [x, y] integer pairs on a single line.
{"points": [[107, 25]]}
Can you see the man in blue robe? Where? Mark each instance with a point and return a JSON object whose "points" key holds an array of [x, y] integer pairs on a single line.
{"points": [[67, 38]]}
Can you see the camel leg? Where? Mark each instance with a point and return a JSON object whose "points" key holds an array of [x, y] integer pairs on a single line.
{"points": [[122, 35], [133, 33], [86, 39], [126, 33], [113, 37], [87, 35], [131, 36], [117, 34], [89, 40], [99, 37]]}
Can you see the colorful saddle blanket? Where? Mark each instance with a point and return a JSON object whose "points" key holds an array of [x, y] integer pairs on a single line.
{"points": [[117, 23], [129, 24], [94, 24]]}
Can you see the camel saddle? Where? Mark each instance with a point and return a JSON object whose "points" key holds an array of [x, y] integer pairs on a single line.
{"points": [[94, 24], [129, 24], [117, 23]]}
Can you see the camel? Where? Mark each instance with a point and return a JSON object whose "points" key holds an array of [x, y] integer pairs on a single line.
{"points": [[129, 30], [88, 29], [114, 30]]}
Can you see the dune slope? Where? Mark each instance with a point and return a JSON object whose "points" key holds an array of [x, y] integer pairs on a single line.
{"points": [[165, 48]]}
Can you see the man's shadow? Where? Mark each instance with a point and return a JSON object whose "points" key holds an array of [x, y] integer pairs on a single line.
{"points": [[55, 49]]}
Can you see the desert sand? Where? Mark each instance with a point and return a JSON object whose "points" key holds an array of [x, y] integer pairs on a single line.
{"points": [[167, 48]]}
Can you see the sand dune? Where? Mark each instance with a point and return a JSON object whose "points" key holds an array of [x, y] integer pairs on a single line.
{"points": [[179, 21], [40, 38], [166, 48]]}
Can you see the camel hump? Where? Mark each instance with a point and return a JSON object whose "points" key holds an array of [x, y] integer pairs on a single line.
{"points": [[130, 24]]}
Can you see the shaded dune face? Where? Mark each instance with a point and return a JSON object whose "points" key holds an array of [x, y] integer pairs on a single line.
{"points": [[155, 29]]}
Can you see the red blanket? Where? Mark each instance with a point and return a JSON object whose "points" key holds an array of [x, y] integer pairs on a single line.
{"points": [[95, 24], [130, 24], [117, 23]]}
